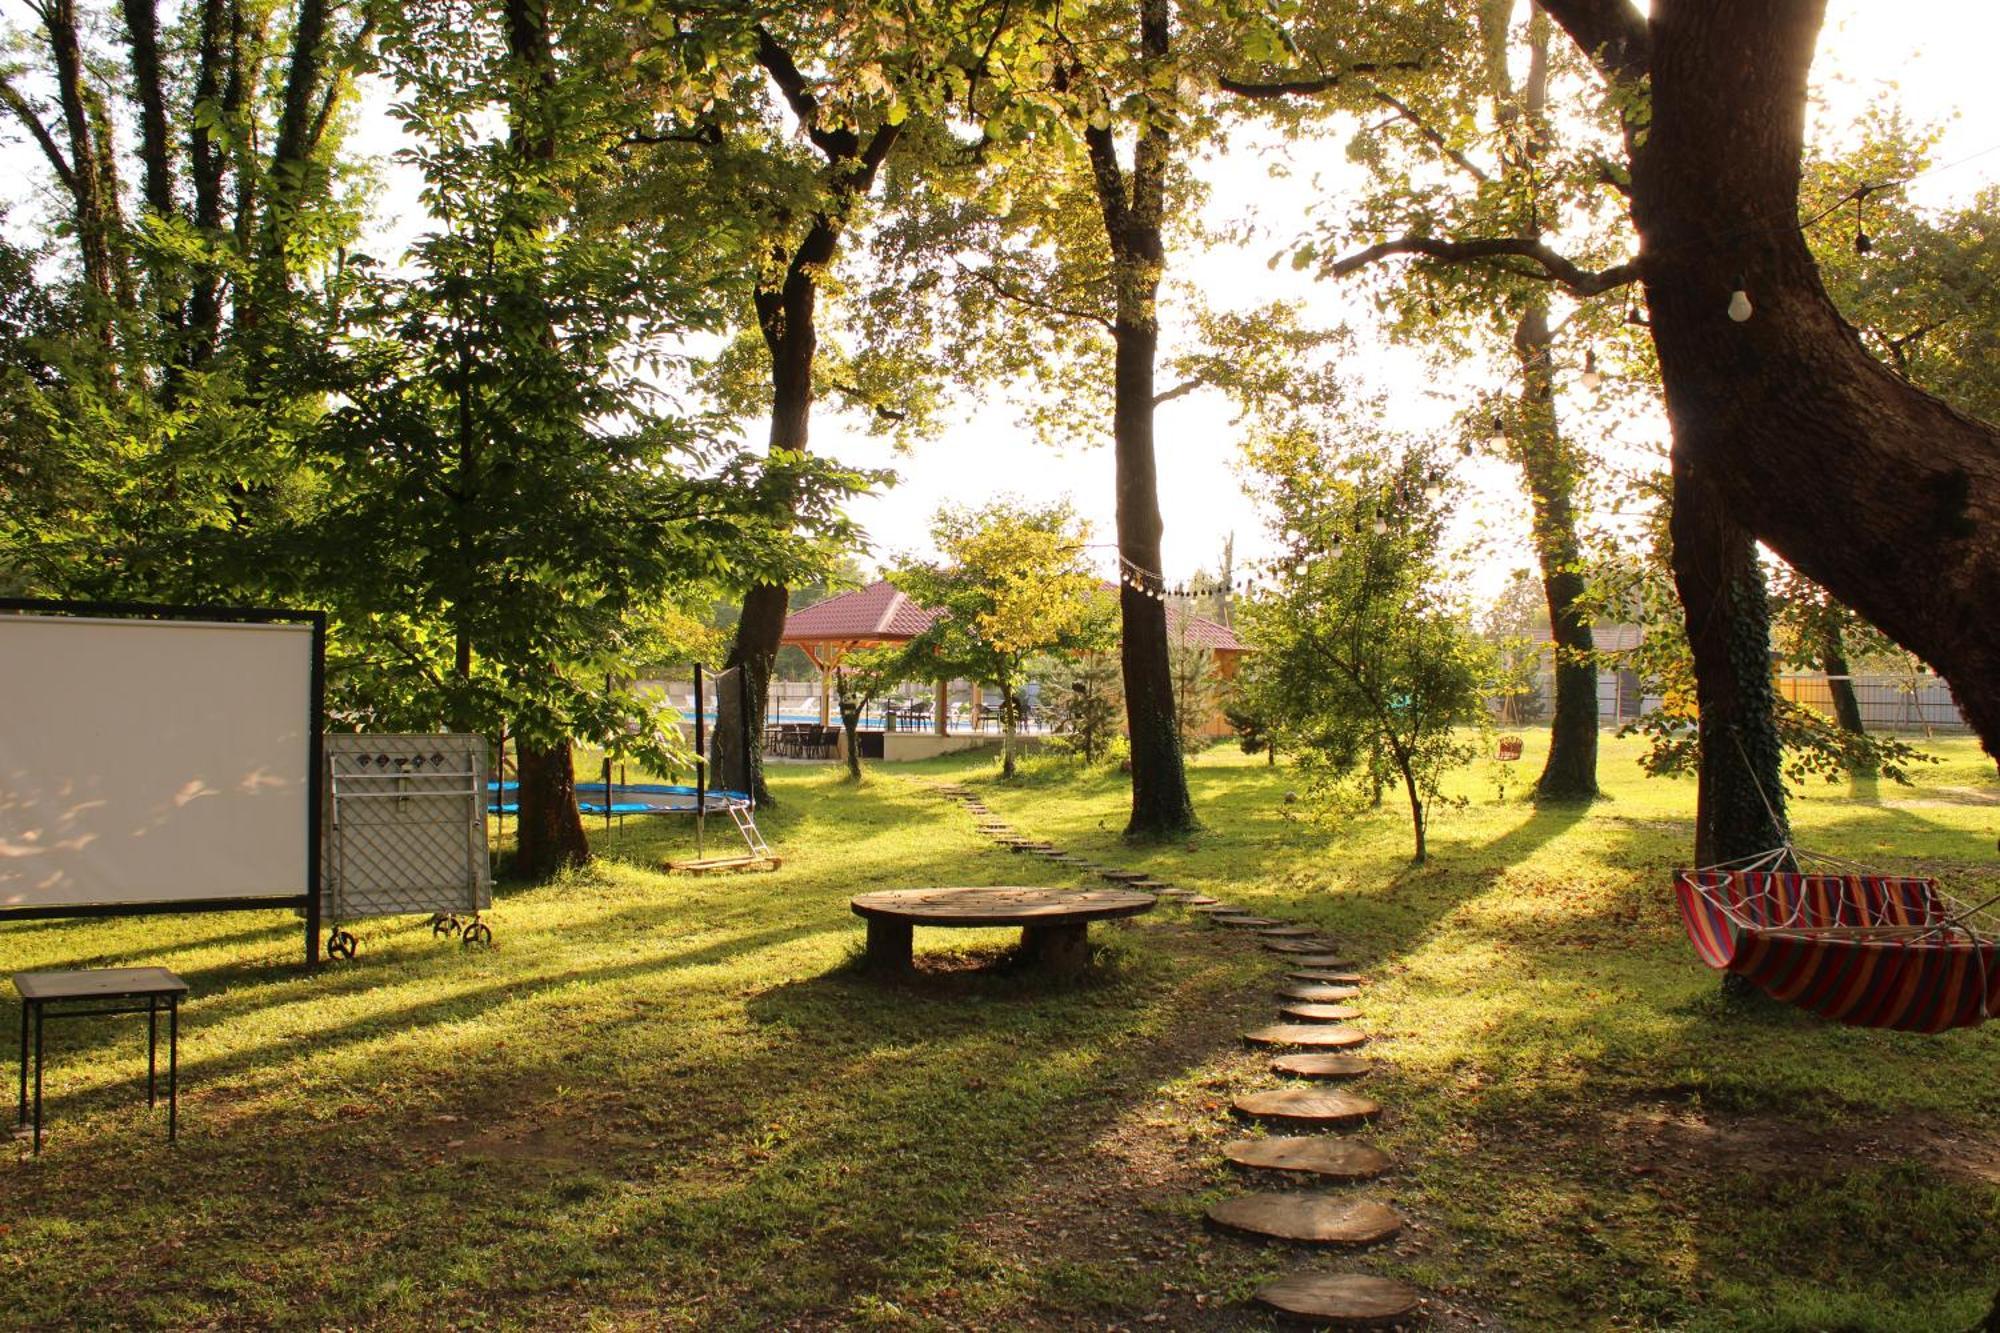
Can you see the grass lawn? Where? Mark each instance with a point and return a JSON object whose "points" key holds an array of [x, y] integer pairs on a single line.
{"points": [[665, 1102]]}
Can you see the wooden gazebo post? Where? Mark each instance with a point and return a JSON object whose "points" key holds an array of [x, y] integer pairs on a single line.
{"points": [[940, 721]]}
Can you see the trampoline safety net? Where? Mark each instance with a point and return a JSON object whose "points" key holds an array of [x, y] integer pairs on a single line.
{"points": [[729, 745], [404, 820]]}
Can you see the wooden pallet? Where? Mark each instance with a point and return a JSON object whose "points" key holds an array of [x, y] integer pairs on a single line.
{"points": [[718, 863]]}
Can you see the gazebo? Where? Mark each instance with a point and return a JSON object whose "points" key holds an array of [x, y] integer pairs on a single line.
{"points": [[876, 616], [879, 615]]}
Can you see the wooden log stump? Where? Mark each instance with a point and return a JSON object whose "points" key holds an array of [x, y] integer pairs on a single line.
{"points": [[1310, 1154], [888, 945], [1062, 951], [1309, 1219], [1340, 1300]]}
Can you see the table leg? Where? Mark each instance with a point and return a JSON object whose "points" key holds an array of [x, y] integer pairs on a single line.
{"points": [[152, 1050], [888, 945], [22, 1118], [1063, 950], [38, 1080], [173, 1069]]}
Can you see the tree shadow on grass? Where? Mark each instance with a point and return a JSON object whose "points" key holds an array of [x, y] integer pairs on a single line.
{"points": [[833, 1145]]}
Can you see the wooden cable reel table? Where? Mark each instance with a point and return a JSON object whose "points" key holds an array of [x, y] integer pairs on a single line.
{"points": [[1054, 922]]}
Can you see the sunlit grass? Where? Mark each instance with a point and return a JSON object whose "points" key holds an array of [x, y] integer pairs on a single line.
{"points": [[673, 1102]]}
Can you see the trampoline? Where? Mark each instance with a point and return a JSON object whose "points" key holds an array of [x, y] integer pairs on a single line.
{"points": [[630, 798]]}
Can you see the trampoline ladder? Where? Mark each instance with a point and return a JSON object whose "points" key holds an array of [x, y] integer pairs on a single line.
{"points": [[746, 824]]}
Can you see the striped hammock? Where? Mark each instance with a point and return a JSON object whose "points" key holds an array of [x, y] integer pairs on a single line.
{"points": [[1873, 950]]}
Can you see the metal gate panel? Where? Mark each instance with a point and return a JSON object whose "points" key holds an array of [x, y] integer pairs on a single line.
{"points": [[405, 826]]}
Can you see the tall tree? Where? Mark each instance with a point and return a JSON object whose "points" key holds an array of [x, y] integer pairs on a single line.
{"points": [[1470, 147], [798, 110], [1885, 496], [1089, 136], [503, 413]]}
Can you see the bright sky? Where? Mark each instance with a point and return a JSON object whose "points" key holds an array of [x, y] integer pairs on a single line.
{"points": [[1935, 55]]}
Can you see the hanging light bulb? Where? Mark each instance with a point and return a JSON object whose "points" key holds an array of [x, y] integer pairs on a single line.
{"points": [[1739, 303], [1338, 547], [1590, 379], [1381, 526], [1433, 492], [1497, 437]]}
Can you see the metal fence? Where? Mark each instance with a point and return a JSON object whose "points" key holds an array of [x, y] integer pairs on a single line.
{"points": [[1919, 704]]}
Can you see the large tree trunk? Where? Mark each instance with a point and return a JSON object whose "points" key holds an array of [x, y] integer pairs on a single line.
{"points": [[1551, 468], [1739, 808], [206, 164], [1881, 494], [1133, 214], [550, 834], [95, 231], [787, 315], [1161, 806]]}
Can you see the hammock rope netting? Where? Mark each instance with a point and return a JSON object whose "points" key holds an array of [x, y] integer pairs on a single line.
{"points": [[1845, 941]]}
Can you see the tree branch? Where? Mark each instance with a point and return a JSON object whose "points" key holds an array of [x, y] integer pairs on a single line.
{"points": [[1309, 87], [1550, 266], [1432, 136], [11, 99], [1612, 33], [1032, 302], [838, 145], [1181, 390]]}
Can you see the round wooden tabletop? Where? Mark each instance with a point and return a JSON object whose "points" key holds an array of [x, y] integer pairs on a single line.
{"points": [[1004, 906]]}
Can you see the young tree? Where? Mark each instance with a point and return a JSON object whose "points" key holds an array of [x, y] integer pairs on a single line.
{"points": [[1198, 691], [1362, 656], [1011, 585], [859, 679], [1081, 701]]}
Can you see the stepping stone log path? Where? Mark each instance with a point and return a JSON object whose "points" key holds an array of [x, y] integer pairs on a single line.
{"points": [[1310, 1154], [1316, 1046]]}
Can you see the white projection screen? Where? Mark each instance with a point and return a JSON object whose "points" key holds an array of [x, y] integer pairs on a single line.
{"points": [[158, 761]]}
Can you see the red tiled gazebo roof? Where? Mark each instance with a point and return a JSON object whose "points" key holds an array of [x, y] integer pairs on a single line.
{"points": [[876, 614], [881, 614]]}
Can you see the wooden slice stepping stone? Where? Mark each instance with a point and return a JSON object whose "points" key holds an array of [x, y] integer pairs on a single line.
{"points": [[1322, 1108], [1238, 921], [1319, 994], [1149, 884], [1320, 1064], [1284, 932], [1315, 1154], [1202, 900], [1330, 976], [1125, 876], [1308, 945], [1321, 1036], [1319, 1013], [1212, 907], [1326, 961], [1311, 1219], [1340, 1300]]}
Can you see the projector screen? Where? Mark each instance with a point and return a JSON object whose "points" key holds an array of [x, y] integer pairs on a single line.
{"points": [[148, 762]]}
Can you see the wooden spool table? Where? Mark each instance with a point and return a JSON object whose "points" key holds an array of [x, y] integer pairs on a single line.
{"points": [[1054, 922]]}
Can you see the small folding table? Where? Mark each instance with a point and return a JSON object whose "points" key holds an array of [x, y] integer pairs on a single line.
{"points": [[91, 992]]}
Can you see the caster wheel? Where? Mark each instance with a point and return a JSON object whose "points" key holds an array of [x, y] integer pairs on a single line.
{"points": [[341, 944], [477, 932], [442, 924]]}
